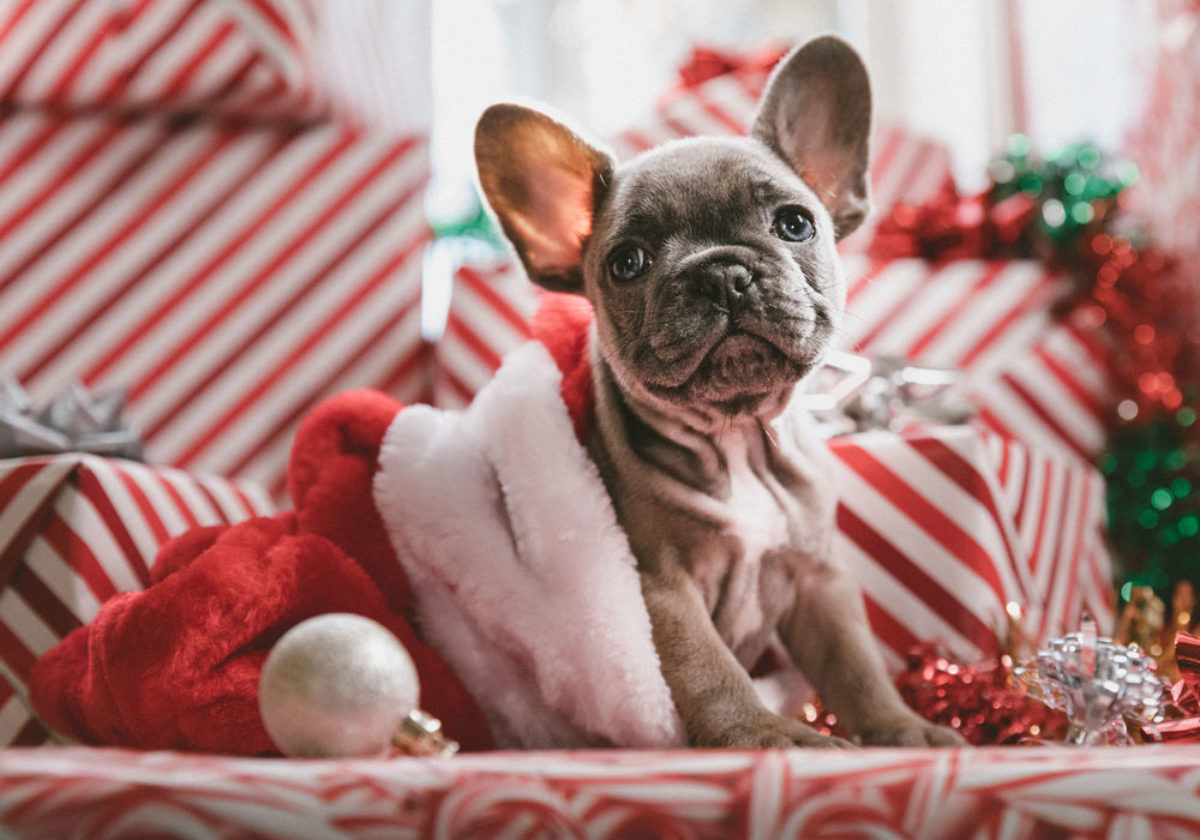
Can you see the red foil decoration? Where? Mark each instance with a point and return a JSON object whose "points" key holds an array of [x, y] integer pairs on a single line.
{"points": [[1185, 694], [981, 702], [952, 226]]}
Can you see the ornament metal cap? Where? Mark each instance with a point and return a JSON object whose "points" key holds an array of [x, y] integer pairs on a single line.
{"points": [[420, 734]]}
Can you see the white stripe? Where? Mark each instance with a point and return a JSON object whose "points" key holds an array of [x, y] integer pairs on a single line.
{"points": [[277, 344], [1068, 554], [232, 508], [1045, 391], [193, 498], [987, 307], [22, 43], [269, 465], [1068, 350], [266, 186], [32, 495], [467, 366], [13, 718], [175, 52], [58, 576], [27, 626], [940, 291], [880, 296], [889, 183], [81, 516], [62, 50], [160, 501], [232, 166], [921, 548], [894, 597], [280, 294], [690, 112], [1011, 411], [218, 69], [119, 496]]}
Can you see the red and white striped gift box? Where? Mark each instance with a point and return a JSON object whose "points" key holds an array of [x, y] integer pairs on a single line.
{"points": [[905, 168], [945, 528], [229, 275], [251, 57], [74, 531], [995, 793], [1032, 376]]}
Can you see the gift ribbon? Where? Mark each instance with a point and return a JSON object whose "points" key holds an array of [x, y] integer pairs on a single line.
{"points": [[857, 393], [75, 420], [1185, 693]]}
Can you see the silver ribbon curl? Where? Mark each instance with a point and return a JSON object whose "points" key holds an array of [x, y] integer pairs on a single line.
{"points": [[75, 420], [852, 393]]}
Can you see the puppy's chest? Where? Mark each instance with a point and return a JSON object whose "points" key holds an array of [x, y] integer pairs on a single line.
{"points": [[764, 538]]}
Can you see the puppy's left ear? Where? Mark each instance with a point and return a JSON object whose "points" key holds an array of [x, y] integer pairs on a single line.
{"points": [[544, 182], [816, 115]]}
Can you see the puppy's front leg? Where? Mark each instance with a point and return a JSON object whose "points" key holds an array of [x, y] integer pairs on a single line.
{"points": [[712, 691], [830, 639]]}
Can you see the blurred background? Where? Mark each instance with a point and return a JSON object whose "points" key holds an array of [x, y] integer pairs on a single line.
{"points": [[968, 73]]}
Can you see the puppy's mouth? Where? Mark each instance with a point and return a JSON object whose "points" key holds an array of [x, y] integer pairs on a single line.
{"points": [[739, 373]]}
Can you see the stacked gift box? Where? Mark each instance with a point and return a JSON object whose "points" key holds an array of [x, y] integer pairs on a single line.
{"points": [[207, 208]]}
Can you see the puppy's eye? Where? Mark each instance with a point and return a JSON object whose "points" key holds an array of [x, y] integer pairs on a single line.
{"points": [[628, 263], [793, 224]]}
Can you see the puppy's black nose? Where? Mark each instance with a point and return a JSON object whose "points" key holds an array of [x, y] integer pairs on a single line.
{"points": [[724, 283]]}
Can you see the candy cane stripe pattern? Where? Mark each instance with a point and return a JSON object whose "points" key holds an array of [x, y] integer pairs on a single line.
{"points": [[228, 276], [985, 793], [78, 530]]}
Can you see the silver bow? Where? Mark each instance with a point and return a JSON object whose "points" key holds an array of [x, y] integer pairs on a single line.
{"points": [[852, 393], [75, 420]]}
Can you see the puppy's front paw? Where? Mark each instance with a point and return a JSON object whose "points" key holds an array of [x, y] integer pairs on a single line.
{"points": [[774, 732], [910, 730]]}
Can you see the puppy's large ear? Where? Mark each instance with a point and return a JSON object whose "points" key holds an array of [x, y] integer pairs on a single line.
{"points": [[816, 115], [544, 182]]}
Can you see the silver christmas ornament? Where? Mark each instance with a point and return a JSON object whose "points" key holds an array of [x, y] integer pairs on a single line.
{"points": [[337, 685]]}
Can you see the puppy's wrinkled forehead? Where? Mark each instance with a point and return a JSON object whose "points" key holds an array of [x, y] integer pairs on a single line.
{"points": [[701, 189]]}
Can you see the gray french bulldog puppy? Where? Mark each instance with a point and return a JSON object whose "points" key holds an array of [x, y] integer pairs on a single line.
{"points": [[711, 267]]}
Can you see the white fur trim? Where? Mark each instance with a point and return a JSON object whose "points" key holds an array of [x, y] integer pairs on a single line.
{"points": [[524, 581]]}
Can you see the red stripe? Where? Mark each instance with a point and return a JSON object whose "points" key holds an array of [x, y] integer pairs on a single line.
{"points": [[15, 14], [1048, 486], [420, 360], [264, 384], [63, 177], [88, 266], [967, 300], [1095, 404], [639, 142], [13, 652], [133, 68], [56, 29], [75, 551], [231, 248], [316, 280], [480, 348], [735, 125], [139, 275], [485, 289], [150, 514], [46, 605], [926, 515], [1037, 407], [270, 13], [899, 308], [284, 428], [18, 543], [888, 629], [112, 27], [1034, 301], [190, 68], [182, 506], [858, 286], [959, 470], [90, 486], [936, 597]]}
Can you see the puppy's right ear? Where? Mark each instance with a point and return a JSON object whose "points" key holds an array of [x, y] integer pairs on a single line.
{"points": [[544, 182]]}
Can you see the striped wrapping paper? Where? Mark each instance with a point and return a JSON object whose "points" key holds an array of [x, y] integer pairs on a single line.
{"points": [[239, 56], [946, 527], [228, 274], [76, 530], [996, 793], [1032, 376]]}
